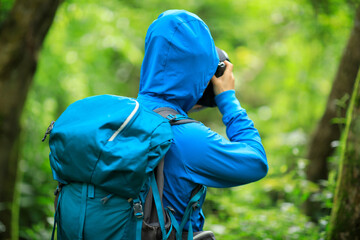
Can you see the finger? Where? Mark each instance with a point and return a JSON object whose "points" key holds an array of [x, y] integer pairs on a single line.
{"points": [[229, 66], [214, 79]]}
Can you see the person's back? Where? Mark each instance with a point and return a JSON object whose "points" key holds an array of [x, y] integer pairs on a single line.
{"points": [[180, 59]]}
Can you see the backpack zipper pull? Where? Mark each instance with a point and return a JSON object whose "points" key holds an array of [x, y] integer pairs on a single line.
{"points": [[105, 199], [48, 130]]}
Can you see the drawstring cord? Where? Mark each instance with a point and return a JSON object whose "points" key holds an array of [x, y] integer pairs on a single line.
{"points": [[48, 130]]}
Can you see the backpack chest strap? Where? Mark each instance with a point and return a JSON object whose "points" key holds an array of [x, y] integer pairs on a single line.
{"points": [[173, 116]]}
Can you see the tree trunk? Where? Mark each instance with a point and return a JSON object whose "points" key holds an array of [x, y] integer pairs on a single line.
{"points": [[21, 37], [327, 130], [345, 217]]}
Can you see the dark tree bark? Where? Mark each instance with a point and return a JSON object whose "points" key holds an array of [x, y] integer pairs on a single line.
{"points": [[21, 37], [345, 217], [327, 131]]}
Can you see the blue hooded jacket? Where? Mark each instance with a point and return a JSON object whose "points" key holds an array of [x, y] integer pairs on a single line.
{"points": [[180, 59]]}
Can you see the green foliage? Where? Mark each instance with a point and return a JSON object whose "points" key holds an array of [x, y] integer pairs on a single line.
{"points": [[284, 56], [241, 215], [5, 7]]}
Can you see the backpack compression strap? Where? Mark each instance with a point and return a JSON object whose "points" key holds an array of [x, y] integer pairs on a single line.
{"points": [[192, 205], [173, 116]]}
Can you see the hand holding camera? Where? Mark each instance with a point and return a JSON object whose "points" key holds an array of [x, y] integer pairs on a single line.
{"points": [[226, 81]]}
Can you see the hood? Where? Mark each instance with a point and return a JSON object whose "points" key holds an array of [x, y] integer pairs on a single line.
{"points": [[180, 59]]}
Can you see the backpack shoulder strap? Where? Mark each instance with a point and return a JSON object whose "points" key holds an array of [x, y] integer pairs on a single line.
{"points": [[173, 116], [155, 215]]}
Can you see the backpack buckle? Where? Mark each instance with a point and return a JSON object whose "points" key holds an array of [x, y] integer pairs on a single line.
{"points": [[58, 188], [195, 205], [138, 210], [171, 117]]}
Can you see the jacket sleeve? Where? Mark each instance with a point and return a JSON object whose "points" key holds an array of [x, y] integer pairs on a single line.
{"points": [[214, 161]]}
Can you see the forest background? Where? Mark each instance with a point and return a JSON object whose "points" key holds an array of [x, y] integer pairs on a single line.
{"points": [[286, 57]]}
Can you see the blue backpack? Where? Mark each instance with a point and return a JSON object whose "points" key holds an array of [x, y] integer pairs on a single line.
{"points": [[106, 153]]}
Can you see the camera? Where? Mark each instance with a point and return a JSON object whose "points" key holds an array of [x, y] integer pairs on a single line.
{"points": [[220, 69], [208, 98]]}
